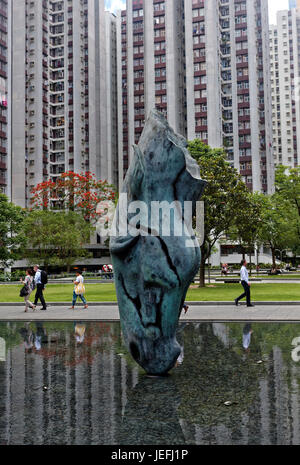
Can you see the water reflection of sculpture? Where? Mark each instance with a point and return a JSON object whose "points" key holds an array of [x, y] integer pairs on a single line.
{"points": [[153, 271], [150, 415]]}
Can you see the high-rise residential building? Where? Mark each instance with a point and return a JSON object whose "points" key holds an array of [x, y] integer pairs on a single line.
{"points": [[111, 86], [59, 88], [205, 65], [4, 89], [227, 83], [285, 83], [152, 37]]}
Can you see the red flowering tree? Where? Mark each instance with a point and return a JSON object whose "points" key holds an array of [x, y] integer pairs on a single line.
{"points": [[72, 191]]}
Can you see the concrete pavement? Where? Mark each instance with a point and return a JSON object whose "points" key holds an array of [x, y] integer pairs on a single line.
{"points": [[198, 311]]}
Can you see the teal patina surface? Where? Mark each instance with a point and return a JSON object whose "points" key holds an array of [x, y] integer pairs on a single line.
{"points": [[153, 269]]}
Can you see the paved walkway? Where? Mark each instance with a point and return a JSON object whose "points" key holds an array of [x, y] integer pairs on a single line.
{"points": [[205, 311]]}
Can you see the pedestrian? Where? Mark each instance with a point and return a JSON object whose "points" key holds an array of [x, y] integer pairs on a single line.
{"points": [[40, 281], [245, 284], [79, 290], [29, 285], [185, 307]]}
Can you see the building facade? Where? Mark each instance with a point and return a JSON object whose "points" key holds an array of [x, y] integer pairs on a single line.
{"points": [[285, 85], [4, 89], [59, 89], [152, 60], [205, 65], [83, 81]]}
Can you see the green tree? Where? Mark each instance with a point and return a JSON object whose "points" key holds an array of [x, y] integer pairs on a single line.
{"points": [[247, 229], [56, 238], [225, 196], [275, 229], [287, 195], [11, 236]]}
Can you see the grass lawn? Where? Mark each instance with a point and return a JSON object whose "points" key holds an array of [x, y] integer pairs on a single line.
{"points": [[106, 292]]}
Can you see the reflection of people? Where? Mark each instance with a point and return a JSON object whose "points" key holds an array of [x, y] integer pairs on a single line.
{"points": [[28, 337], [247, 331], [246, 285], [181, 357], [79, 332], [40, 336]]}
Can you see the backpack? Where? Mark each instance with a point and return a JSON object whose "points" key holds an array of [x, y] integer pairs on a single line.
{"points": [[44, 277]]}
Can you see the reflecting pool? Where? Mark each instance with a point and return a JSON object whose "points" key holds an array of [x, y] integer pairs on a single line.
{"points": [[75, 383]]}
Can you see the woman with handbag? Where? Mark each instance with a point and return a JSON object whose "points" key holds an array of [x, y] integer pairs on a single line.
{"points": [[27, 289], [79, 290]]}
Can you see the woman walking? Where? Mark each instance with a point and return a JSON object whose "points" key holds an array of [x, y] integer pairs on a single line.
{"points": [[79, 290], [29, 285]]}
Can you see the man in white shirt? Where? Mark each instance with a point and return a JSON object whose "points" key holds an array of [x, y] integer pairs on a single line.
{"points": [[245, 284]]}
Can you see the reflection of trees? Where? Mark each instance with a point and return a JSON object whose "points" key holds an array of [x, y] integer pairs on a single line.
{"points": [[10, 333], [99, 336], [151, 414], [218, 375]]}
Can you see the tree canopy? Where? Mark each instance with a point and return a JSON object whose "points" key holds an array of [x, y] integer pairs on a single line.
{"points": [[226, 196], [72, 191], [56, 238], [11, 234]]}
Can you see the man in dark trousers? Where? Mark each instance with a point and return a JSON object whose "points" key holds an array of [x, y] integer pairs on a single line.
{"points": [[39, 288], [245, 284]]}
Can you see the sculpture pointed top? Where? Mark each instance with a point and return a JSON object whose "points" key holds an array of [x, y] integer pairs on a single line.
{"points": [[157, 121], [155, 137]]}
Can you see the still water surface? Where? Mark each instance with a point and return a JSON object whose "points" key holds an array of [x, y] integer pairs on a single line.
{"points": [[75, 383]]}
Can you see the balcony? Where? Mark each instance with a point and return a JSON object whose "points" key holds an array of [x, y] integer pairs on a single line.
{"points": [[3, 181]]}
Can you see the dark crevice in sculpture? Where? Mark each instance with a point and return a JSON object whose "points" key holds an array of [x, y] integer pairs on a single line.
{"points": [[175, 182], [136, 301], [158, 314], [134, 350], [169, 260]]}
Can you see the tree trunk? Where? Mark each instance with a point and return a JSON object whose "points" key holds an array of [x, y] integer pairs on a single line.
{"points": [[250, 264], [243, 252], [202, 268], [273, 257]]}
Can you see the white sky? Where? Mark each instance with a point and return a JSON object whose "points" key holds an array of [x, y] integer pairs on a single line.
{"points": [[114, 5], [274, 6]]}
